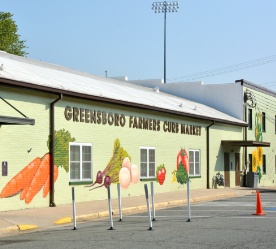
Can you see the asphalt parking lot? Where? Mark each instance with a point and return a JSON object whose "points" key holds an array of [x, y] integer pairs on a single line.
{"points": [[225, 223]]}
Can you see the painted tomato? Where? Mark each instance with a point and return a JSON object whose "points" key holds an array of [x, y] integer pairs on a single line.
{"points": [[161, 174], [182, 158]]}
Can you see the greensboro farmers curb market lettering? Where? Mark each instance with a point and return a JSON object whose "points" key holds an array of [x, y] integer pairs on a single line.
{"points": [[100, 117]]}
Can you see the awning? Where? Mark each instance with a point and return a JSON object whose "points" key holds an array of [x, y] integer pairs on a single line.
{"points": [[6, 120], [242, 143]]}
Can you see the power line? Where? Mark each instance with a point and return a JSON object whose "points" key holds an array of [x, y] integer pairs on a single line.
{"points": [[227, 69], [271, 83]]}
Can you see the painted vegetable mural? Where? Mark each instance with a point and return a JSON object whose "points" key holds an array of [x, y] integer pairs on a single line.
{"points": [[35, 176], [257, 161], [258, 126], [161, 174], [118, 169], [129, 173], [181, 174]]}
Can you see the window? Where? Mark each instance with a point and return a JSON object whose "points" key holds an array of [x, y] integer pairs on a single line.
{"points": [[194, 161], [249, 119], [147, 162], [264, 164], [80, 159], [263, 121]]}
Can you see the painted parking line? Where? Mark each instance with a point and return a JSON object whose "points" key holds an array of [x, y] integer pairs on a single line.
{"points": [[225, 205], [233, 204], [246, 217], [271, 209], [214, 210], [168, 216]]}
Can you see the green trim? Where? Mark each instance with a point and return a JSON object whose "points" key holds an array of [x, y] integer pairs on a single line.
{"points": [[147, 179], [80, 183], [194, 176]]}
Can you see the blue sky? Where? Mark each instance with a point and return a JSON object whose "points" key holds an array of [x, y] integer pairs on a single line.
{"points": [[207, 40]]}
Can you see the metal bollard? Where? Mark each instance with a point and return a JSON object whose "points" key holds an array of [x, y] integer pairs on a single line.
{"points": [[120, 201], [74, 208], [152, 201], [110, 208], [189, 202], [147, 199]]}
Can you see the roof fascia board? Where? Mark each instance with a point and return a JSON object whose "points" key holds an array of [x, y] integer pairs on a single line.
{"points": [[256, 87], [113, 101]]}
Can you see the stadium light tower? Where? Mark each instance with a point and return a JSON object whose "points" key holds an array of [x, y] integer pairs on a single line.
{"points": [[164, 7]]}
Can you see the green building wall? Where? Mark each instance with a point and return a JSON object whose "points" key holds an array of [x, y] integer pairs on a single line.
{"points": [[264, 103], [21, 144]]}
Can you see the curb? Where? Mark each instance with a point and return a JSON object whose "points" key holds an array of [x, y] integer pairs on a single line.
{"points": [[21, 227], [63, 220], [26, 227], [9, 229]]}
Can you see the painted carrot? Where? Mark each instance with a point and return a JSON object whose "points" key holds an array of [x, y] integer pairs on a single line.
{"points": [[39, 179], [46, 187], [21, 179]]}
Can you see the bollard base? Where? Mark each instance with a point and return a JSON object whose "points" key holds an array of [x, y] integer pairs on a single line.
{"points": [[120, 220], [153, 219], [150, 229], [74, 228], [189, 220], [111, 228]]}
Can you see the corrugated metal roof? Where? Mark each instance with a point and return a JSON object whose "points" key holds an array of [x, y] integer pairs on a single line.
{"points": [[37, 73]]}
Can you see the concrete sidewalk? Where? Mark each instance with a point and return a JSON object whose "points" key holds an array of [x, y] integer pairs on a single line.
{"points": [[42, 218]]}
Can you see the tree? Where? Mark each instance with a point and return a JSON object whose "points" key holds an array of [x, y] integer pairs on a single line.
{"points": [[9, 39]]}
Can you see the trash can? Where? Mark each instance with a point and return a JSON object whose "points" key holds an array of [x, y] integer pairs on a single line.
{"points": [[242, 179], [256, 179], [252, 179]]}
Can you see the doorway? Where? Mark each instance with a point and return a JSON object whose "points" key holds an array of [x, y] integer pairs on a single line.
{"points": [[226, 169], [237, 169]]}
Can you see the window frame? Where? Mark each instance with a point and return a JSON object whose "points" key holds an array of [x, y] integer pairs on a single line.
{"points": [[147, 177], [250, 118], [194, 163], [81, 179], [263, 122], [264, 164]]}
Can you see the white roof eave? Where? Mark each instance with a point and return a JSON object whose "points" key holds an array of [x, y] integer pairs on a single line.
{"points": [[42, 74]]}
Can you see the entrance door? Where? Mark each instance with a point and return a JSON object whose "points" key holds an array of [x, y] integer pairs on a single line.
{"points": [[226, 169], [237, 169]]}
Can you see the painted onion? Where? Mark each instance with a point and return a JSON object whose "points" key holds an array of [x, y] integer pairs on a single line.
{"points": [[124, 177], [126, 163], [135, 174]]}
